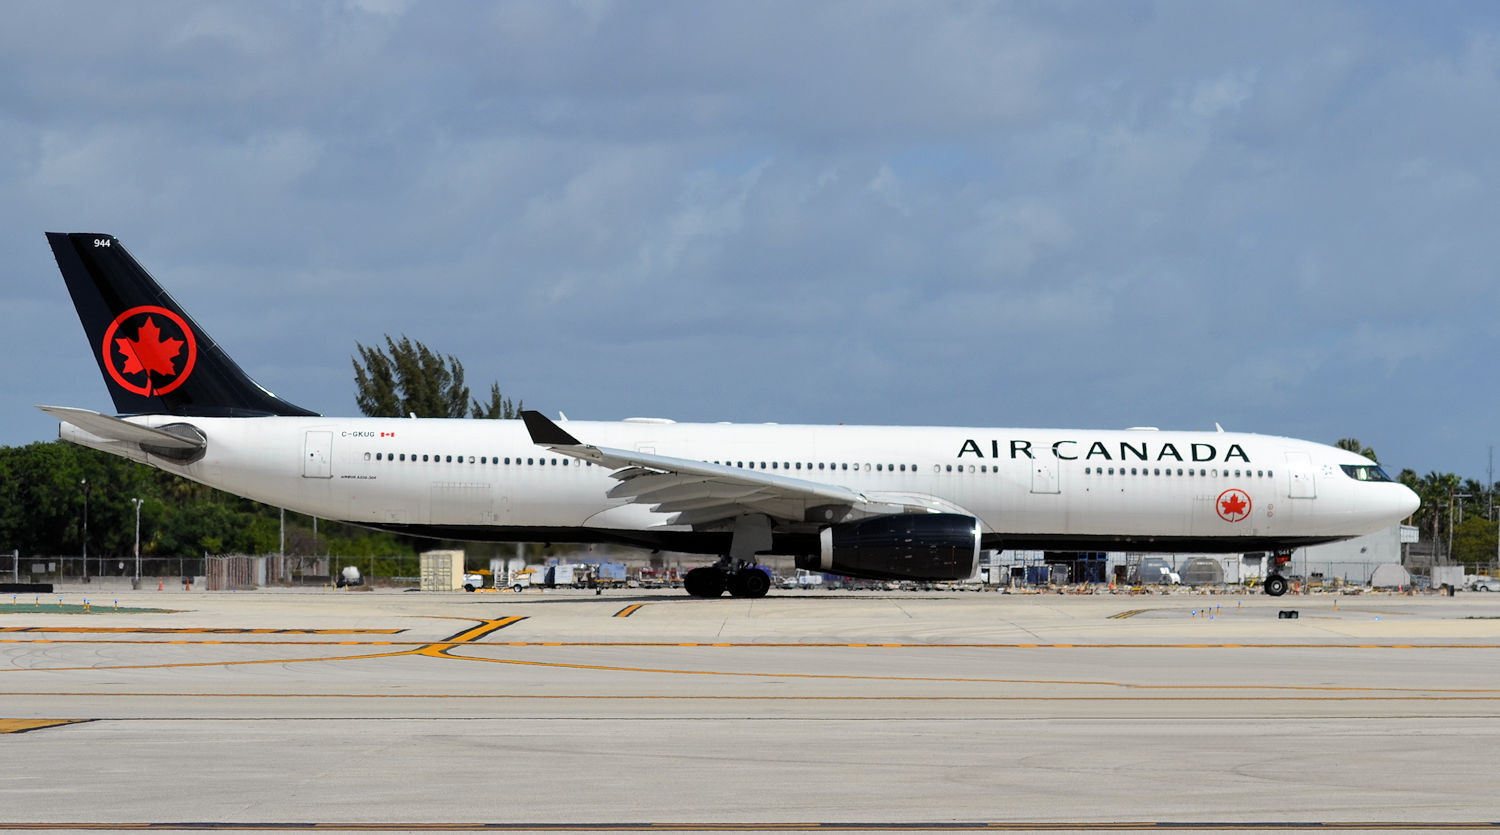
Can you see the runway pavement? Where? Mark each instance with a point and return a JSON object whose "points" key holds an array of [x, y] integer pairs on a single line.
{"points": [[833, 711]]}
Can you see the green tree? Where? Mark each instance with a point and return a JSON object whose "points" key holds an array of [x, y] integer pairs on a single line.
{"points": [[1353, 445], [408, 378], [498, 407], [1474, 541], [41, 512]]}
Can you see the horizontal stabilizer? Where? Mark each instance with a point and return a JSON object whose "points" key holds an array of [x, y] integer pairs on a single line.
{"points": [[115, 429]]}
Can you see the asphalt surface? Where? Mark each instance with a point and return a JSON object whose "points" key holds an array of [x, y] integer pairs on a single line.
{"points": [[547, 711]]}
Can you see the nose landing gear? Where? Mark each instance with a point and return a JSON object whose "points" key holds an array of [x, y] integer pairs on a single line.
{"points": [[1275, 583]]}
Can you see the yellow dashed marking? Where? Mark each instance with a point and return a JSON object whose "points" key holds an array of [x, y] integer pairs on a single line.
{"points": [[188, 630], [629, 610], [21, 726]]}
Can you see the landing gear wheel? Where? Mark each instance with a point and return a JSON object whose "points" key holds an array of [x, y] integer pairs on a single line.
{"points": [[749, 582], [1275, 585], [704, 581]]}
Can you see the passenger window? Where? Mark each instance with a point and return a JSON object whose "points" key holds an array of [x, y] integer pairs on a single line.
{"points": [[565, 462], [1111, 470], [529, 461], [1156, 472], [367, 456], [950, 468]]}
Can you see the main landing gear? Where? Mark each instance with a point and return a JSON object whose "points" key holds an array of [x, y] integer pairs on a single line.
{"points": [[736, 571], [1275, 583], [714, 580]]}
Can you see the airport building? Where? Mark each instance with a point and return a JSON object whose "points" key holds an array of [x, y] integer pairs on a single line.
{"points": [[1352, 562]]}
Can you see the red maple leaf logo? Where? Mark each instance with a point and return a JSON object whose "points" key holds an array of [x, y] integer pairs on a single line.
{"points": [[148, 351], [1233, 506], [149, 358]]}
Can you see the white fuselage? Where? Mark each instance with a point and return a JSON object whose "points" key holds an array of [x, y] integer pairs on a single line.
{"points": [[1145, 489]]}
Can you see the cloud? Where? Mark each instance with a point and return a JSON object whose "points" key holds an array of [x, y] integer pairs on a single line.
{"points": [[1130, 213]]}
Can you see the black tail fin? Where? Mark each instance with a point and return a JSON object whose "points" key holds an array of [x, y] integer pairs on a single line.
{"points": [[154, 357]]}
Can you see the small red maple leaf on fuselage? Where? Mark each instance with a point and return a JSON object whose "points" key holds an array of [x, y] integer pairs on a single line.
{"points": [[148, 351], [1233, 506]]}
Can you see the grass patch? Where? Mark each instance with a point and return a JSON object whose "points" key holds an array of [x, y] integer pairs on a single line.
{"points": [[40, 606]]}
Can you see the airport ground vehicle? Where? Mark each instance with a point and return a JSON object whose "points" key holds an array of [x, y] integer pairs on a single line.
{"points": [[1484, 584], [473, 582]]}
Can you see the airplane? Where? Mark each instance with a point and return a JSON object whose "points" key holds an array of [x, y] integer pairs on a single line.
{"points": [[877, 502]]}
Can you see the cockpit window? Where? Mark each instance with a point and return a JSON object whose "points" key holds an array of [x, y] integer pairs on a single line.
{"points": [[1365, 472]]}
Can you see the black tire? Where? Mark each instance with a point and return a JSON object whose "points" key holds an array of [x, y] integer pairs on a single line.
{"points": [[516, 588], [749, 583], [704, 581], [468, 587], [1275, 585]]}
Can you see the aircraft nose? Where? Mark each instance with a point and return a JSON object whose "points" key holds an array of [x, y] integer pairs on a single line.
{"points": [[1407, 501]]}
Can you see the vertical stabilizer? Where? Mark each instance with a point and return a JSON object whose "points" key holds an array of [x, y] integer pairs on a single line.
{"points": [[153, 356]]}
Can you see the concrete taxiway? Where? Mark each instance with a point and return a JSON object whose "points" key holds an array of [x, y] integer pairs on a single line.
{"points": [[651, 710]]}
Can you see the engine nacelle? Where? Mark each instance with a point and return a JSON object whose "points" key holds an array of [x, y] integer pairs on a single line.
{"points": [[907, 546]]}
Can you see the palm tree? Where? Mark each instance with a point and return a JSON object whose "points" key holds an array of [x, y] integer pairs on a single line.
{"points": [[1353, 445]]}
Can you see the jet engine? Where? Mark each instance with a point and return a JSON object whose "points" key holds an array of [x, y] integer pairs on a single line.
{"points": [[907, 546]]}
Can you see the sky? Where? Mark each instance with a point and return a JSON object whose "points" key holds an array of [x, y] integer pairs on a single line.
{"points": [[1280, 217]]}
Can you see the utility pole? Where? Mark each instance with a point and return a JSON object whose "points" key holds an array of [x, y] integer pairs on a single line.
{"points": [[85, 485], [137, 503], [1454, 494]]}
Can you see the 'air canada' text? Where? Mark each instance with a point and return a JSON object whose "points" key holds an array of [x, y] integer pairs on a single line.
{"points": [[1098, 450]]}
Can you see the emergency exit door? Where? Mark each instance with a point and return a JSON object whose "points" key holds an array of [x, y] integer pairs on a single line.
{"points": [[317, 455], [1300, 483]]}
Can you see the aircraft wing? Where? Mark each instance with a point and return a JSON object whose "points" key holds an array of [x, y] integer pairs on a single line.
{"points": [[701, 493]]}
